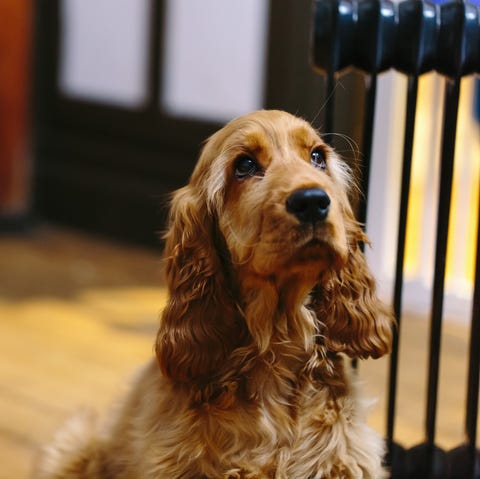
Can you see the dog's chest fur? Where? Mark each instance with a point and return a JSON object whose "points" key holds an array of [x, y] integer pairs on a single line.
{"points": [[274, 408], [275, 425]]}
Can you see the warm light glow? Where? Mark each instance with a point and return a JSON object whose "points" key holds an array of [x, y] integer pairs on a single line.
{"points": [[421, 223]]}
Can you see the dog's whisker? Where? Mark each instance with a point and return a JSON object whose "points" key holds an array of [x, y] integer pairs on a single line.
{"points": [[338, 84], [353, 145]]}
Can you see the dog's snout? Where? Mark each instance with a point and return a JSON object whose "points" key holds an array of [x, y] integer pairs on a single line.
{"points": [[309, 205]]}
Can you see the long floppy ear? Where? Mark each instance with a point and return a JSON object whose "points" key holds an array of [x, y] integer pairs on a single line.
{"points": [[355, 321], [199, 323]]}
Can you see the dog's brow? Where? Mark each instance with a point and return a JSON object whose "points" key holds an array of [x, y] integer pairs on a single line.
{"points": [[265, 133], [260, 139], [303, 136], [255, 141]]}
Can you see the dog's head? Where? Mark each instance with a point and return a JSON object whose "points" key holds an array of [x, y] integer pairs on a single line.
{"points": [[266, 210]]}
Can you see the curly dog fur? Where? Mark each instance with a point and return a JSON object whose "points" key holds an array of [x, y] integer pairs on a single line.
{"points": [[268, 293]]}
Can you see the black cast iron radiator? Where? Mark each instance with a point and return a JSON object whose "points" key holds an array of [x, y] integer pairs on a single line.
{"points": [[413, 37]]}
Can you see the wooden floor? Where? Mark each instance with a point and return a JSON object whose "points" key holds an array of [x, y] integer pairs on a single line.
{"points": [[79, 314]]}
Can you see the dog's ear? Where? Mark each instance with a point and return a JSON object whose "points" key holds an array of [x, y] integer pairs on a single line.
{"points": [[354, 320], [200, 320]]}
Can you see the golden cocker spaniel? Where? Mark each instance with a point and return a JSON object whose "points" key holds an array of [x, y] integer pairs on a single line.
{"points": [[268, 292]]}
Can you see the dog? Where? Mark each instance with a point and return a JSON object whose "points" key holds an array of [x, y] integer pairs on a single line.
{"points": [[269, 295]]}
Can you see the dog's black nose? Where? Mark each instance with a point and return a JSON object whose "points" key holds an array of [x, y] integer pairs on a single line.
{"points": [[309, 205]]}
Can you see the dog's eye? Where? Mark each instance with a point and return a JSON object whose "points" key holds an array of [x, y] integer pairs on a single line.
{"points": [[318, 157], [245, 166]]}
